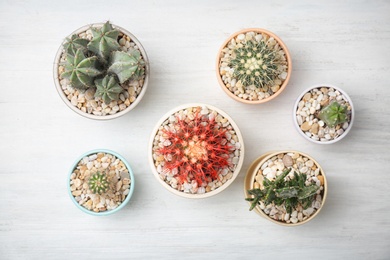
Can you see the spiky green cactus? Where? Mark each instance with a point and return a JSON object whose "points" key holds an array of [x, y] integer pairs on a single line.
{"points": [[126, 65], [74, 43], [334, 114], [98, 183], [255, 63], [290, 193], [108, 89], [80, 70], [89, 62], [105, 40]]}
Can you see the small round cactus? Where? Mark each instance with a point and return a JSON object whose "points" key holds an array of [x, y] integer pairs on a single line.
{"points": [[98, 183], [104, 41], [107, 88], [255, 63], [334, 114], [75, 43], [80, 70]]}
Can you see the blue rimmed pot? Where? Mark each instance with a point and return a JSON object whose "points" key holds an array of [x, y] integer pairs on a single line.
{"points": [[90, 171]]}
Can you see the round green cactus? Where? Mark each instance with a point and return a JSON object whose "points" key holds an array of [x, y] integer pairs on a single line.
{"points": [[80, 70], [334, 114], [74, 43], [126, 65], [98, 183], [108, 89], [255, 63], [105, 40]]}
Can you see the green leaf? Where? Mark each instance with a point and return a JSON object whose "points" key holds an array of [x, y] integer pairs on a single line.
{"points": [[287, 192], [308, 191]]}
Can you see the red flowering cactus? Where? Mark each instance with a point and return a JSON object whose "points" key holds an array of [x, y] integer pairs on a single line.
{"points": [[198, 150]]}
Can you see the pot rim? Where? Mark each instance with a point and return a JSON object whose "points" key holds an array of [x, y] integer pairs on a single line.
{"points": [[319, 86], [251, 174], [92, 116], [206, 194], [128, 196], [285, 82]]}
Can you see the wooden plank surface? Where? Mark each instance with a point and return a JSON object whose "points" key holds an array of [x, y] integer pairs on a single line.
{"points": [[345, 43]]}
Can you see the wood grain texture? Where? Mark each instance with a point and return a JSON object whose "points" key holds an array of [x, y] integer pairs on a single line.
{"points": [[345, 43]]}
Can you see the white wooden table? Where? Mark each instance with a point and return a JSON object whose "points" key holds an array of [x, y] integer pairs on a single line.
{"points": [[345, 43]]}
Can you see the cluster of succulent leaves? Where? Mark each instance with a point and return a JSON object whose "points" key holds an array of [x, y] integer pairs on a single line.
{"points": [[98, 183], [290, 192], [255, 63], [334, 114], [100, 64]]}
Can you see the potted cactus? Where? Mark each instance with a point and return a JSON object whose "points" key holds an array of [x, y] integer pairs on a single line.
{"points": [[323, 114], [253, 66], [196, 151], [101, 71], [100, 182], [287, 187]]}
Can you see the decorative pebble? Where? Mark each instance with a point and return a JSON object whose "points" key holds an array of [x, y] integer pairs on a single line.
{"points": [[314, 128], [287, 160], [305, 126]]}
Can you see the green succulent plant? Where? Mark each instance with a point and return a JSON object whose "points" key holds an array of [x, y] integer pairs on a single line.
{"points": [[289, 193], [107, 88], [75, 43], [255, 63], [126, 65], [81, 70], [334, 114], [100, 64], [98, 183], [104, 41]]}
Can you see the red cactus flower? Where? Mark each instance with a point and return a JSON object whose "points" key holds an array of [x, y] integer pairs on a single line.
{"points": [[198, 150]]}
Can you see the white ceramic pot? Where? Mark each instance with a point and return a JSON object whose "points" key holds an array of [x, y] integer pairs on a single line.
{"points": [[345, 131], [92, 116], [193, 151]]}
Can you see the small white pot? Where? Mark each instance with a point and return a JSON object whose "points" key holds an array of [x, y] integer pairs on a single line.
{"points": [[92, 116], [300, 131], [190, 195]]}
